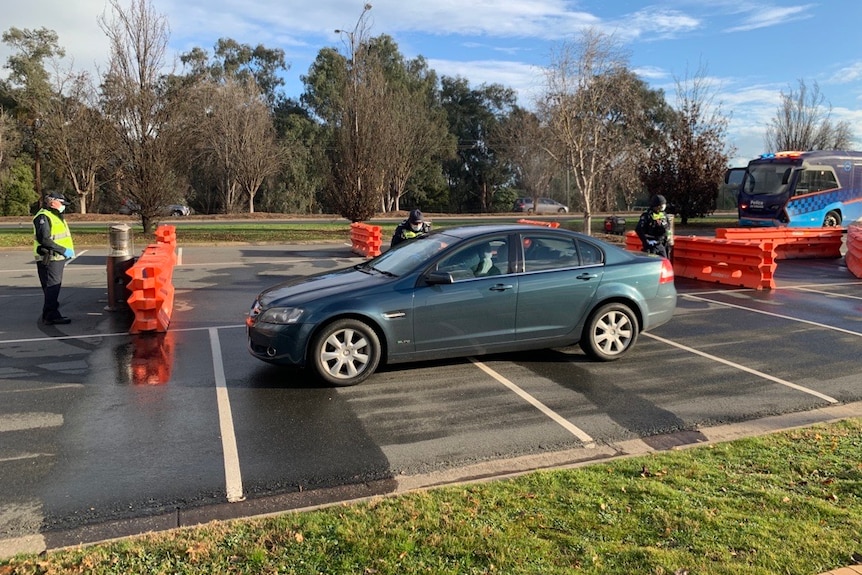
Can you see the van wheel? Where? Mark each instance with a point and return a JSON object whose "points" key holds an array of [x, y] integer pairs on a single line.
{"points": [[345, 352], [832, 220], [610, 332]]}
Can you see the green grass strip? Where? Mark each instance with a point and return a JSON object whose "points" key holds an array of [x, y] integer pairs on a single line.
{"points": [[788, 503]]}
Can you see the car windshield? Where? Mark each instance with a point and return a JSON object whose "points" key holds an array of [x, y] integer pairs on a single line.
{"points": [[767, 179], [408, 255]]}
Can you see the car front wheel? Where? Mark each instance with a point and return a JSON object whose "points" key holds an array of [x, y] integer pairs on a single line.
{"points": [[610, 332], [345, 352], [832, 220]]}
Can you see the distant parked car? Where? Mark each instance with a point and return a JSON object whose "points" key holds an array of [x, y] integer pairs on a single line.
{"points": [[129, 207], [546, 206]]}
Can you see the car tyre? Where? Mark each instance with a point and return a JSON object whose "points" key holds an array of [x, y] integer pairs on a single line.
{"points": [[610, 332], [832, 220], [345, 352]]}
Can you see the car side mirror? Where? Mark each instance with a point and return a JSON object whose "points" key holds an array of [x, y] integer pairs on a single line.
{"points": [[438, 278]]}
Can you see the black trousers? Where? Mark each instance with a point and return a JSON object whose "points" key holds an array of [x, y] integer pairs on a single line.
{"points": [[51, 278]]}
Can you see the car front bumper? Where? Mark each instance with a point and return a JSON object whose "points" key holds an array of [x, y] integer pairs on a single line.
{"points": [[279, 344]]}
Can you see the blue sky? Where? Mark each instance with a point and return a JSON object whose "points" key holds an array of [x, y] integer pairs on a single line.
{"points": [[750, 51]]}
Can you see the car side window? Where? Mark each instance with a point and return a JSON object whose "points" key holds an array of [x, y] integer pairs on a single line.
{"points": [[590, 254], [484, 258], [547, 253]]}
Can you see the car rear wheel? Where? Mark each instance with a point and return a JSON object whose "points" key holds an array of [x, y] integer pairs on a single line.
{"points": [[345, 352], [610, 332]]}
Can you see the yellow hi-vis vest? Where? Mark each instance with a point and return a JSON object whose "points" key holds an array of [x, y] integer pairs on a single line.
{"points": [[59, 233]]}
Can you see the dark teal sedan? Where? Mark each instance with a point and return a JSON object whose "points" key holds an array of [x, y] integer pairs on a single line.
{"points": [[461, 292]]}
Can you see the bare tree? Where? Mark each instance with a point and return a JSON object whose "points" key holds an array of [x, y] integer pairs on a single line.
{"points": [[235, 135], [523, 141], [688, 165], [414, 132], [136, 103], [75, 134], [804, 121], [589, 98]]}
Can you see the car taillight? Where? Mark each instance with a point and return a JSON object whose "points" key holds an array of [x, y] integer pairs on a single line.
{"points": [[666, 272]]}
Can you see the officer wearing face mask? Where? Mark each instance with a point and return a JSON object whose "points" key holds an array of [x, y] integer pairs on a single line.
{"points": [[52, 246], [413, 227], [653, 227]]}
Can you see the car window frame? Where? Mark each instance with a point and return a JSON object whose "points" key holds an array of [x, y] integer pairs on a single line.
{"points": [[566, 263], [503, 261]]}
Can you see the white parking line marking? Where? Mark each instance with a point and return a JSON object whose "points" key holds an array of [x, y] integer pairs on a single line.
{"points": [[778, 315], [117, 334], [31, 420], [743, 368], [588, 441], [232, 475], [828, 293]]}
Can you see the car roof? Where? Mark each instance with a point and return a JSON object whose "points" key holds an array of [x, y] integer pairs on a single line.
{"points": [[467, 232]]}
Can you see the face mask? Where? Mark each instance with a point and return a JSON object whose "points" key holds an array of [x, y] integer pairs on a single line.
{"points": [[416, 227], [62, 208]]}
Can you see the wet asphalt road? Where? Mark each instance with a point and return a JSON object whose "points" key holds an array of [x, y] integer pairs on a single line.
{"points": [[104, 434]]}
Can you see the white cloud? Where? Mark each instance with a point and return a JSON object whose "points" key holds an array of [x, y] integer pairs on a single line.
{"points": [[766, 16]]}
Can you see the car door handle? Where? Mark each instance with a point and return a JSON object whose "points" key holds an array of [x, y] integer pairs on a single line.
{"points": [[587, 276], [501, 287]]}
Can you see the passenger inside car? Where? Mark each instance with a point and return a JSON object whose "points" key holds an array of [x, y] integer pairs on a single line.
{"points": [[486, 266]]}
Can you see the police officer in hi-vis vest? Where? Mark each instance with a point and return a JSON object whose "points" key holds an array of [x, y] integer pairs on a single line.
{"points": [[52, 246], [413, 227]]}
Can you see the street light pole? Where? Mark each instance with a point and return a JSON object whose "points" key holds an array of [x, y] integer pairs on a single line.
{"points": [[355, 43]]}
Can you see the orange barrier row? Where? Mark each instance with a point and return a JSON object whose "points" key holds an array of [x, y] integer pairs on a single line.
{"points": [[748, 263], [366, 239], [853, 258], [151, 285], [792, 243], [538, 223]]}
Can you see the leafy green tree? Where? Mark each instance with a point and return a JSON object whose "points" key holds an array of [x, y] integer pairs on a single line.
{"points": [[241, 63], [30, 85], [477, 173], [17, 192], [297, 187], [10, 139]]}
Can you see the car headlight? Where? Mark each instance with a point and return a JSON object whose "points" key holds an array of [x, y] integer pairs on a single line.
{"points": [[280, 315]]}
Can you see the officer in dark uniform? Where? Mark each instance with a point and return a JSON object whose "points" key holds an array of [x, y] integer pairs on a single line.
{"points": [[653, 227], [52, 246], [413, 227]]}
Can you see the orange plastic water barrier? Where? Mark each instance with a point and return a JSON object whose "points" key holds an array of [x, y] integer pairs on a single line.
{"points": [[152, 290], [792, 243], [633, 242], [366, 239], [748, 263], [853, 257], [539, 223]]}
